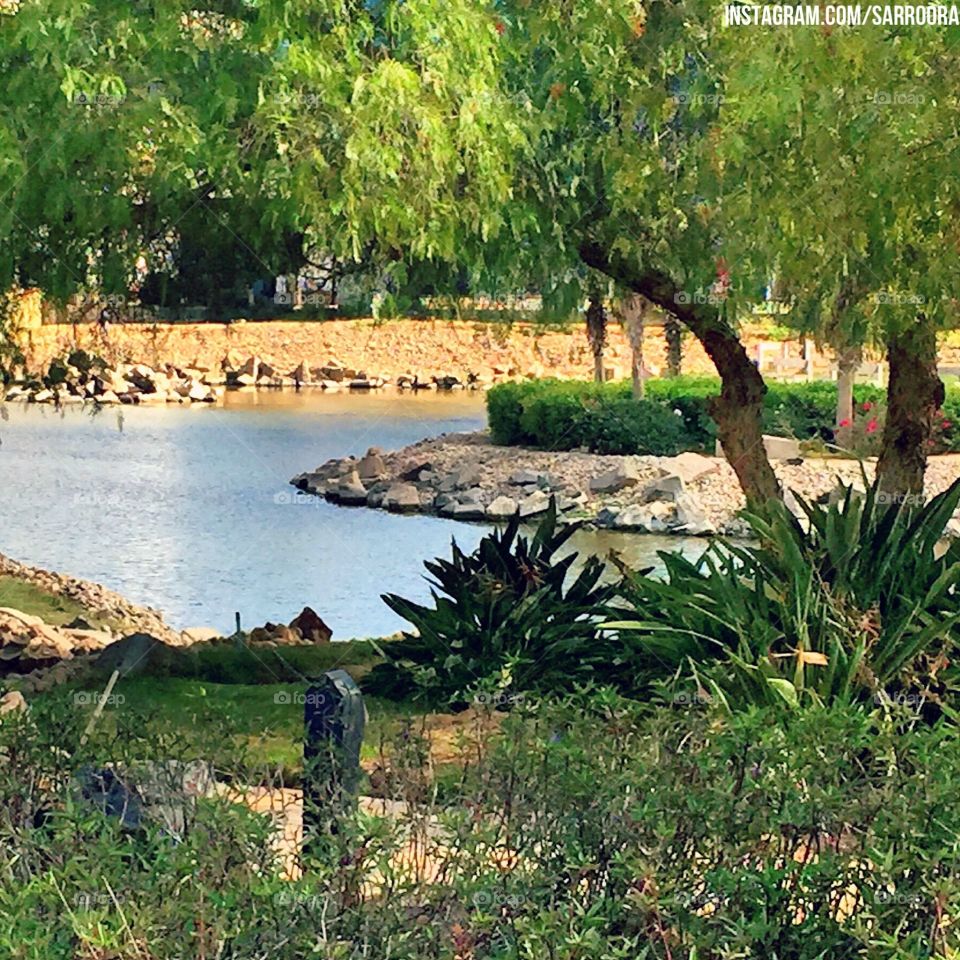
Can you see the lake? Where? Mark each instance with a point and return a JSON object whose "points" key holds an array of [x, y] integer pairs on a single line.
{"points": [[187, 508]]}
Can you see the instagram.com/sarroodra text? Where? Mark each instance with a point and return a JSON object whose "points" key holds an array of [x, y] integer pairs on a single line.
{"points": [[840, 15]]}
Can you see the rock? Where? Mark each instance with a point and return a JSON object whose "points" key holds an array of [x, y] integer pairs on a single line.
{"points": [[12, 702], [689, 466], [622, 476], [251, 368], [642, 518], [691, 518], [245, 380], [200, 393], [778, 448], [134, 652], [350, 491], [464, 511], [402, 498], [465, 477], [301, 373], [43, 396], [536, 502], [666, 488], [522, 477], [194, 635], [414, 472], [502, 507], [311, 627], [607, 516], [473, 495], [371, 466]]}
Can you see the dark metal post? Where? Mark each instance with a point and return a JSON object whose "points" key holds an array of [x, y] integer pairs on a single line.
{"points": [[334, 719]]}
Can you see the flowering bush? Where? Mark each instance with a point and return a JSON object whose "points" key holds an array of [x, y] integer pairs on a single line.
{"points": [[864, 433]]}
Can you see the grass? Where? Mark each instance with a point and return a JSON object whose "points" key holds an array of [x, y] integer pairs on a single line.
{"points": [[51, 607], [239, 708]]}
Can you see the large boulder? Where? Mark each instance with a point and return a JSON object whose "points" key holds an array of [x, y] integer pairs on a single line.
{"points": [[665, 488], [644, 518], [402, 498], [371, 466], [623, 475], [536, 502], [689, 466], [502, 508], [350, 491], [311, 627], [691, 518]]}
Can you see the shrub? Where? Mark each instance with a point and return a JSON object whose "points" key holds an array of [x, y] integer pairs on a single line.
{"points": [[567, 414], [503, 618], [862, 605], [589, 827]]}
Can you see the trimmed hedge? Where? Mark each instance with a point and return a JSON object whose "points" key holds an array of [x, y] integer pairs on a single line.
{"points": [[569, 414]]}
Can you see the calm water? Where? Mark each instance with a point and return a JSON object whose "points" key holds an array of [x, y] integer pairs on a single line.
{"points": [[187, 508]]}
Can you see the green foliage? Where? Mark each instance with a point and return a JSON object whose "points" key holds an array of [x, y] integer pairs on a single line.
{"points": [[589, 827], [503, 618], [566, 414], [861, 605]]}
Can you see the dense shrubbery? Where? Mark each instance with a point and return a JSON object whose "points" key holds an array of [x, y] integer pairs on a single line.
{"points": [[504, 619], [861, 607], [589, 828], [567, 414], [858, 604]]}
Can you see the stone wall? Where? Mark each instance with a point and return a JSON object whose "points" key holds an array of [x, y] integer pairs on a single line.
{"points": [[425, 347]]}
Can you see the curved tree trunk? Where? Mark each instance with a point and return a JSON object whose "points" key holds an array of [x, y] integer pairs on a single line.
{"points": [[737, 411], [914, 395]]}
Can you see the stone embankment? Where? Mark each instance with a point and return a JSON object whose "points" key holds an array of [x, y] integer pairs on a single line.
{"points": [[82, 378], [39, 655], [465, 477]]}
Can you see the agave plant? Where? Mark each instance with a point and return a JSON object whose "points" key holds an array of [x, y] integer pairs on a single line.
{"points": [[859, 603], [511, 615]]}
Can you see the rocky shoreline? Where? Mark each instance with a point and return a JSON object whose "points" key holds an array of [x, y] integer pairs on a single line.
{"points": [[464, 476], [38, 655], [83, 378]]}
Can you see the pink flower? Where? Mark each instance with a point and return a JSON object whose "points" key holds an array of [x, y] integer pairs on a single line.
{"points": [[866, 406], [946, 424], [872, 426], [844, 423]]}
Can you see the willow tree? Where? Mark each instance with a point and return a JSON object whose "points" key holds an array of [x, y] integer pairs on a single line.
{"points": [[850, 142]]}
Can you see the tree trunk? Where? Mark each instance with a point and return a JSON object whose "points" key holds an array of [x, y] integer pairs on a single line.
{"points": [[737, 411], [672, 333], [914, 395], [848, 360], [633, 309], [597, 333]]}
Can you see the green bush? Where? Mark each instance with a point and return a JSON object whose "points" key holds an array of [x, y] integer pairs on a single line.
{"points": [[568, 414], [504, 619], [861, 605], [588, 828]]}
